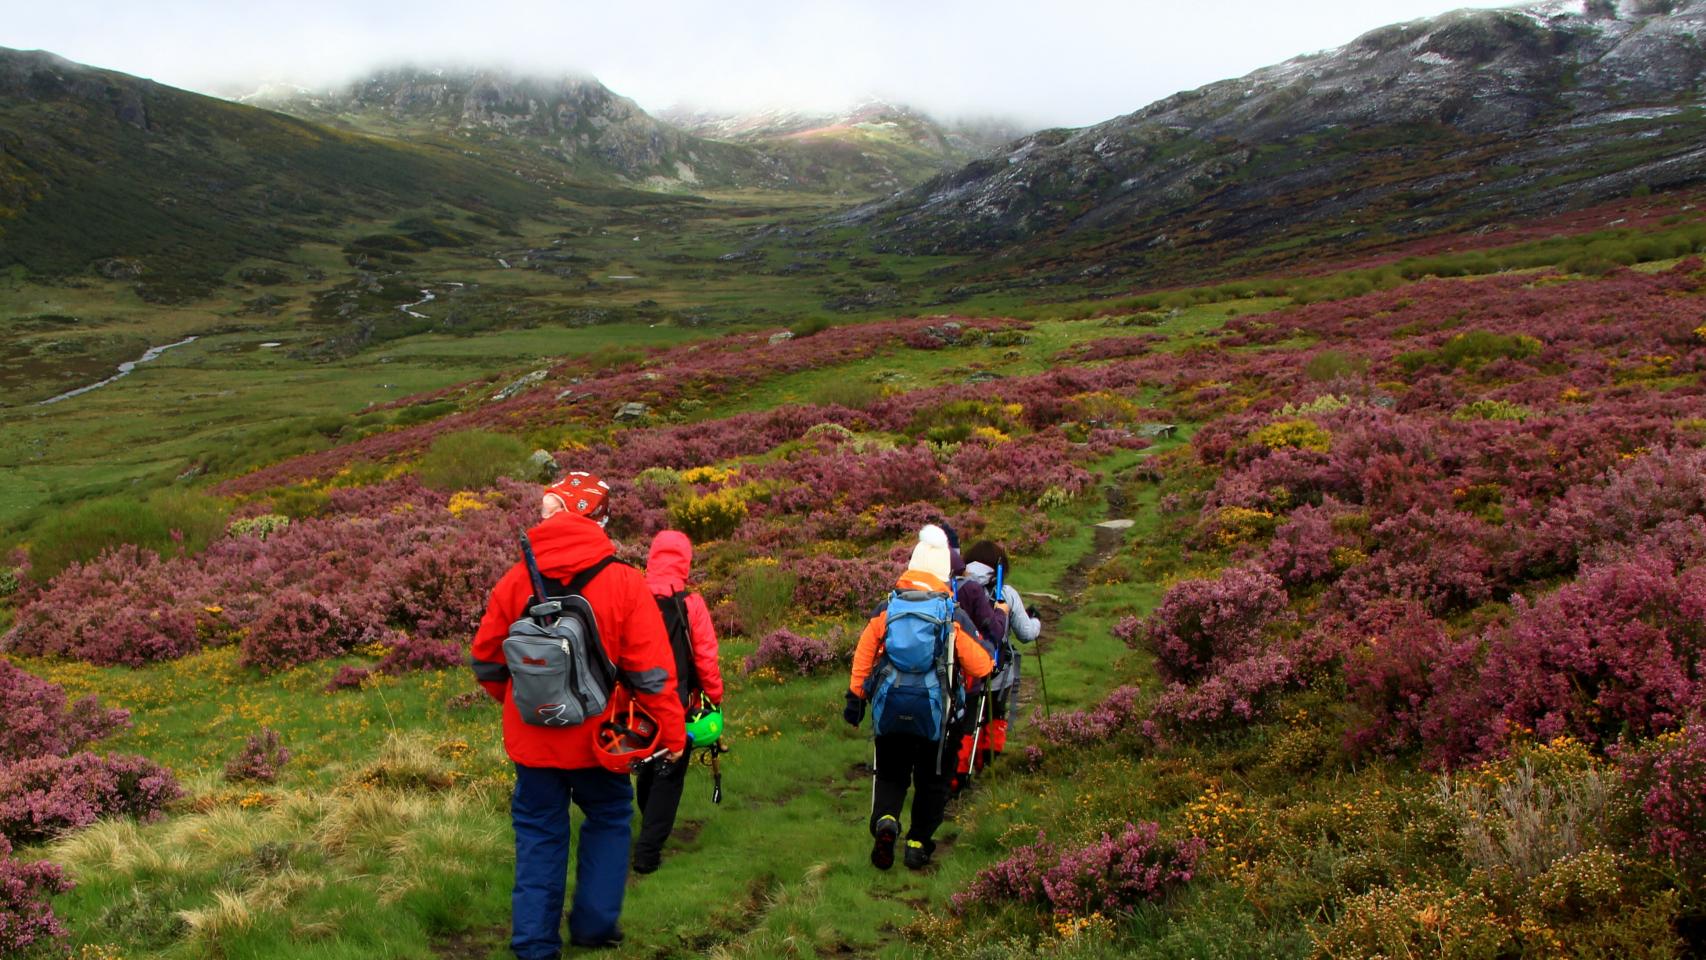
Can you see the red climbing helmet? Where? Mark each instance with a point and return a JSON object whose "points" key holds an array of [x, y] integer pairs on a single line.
{"points": [[628, 735]]}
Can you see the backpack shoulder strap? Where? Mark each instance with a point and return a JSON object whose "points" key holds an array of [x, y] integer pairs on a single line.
{"points": [[584, 577]]}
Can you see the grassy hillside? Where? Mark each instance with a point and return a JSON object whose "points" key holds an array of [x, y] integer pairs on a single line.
{"points": [[109, 174], [1389, 658]]}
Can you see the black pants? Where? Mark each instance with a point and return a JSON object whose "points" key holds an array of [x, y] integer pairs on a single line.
{"points": [[659, 794], [902, 760]]}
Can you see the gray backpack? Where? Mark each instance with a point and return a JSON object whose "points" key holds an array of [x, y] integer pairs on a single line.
{"points": [[560, 674]]}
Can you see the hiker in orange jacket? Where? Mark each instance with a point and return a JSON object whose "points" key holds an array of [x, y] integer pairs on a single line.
{"points": [[699, 681], [556, 766], [904, 759]]}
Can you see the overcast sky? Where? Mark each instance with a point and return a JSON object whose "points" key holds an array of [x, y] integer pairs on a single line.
{"points": [[1065, 62]]}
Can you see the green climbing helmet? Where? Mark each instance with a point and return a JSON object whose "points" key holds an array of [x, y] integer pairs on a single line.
{"points": [[705, 725]]}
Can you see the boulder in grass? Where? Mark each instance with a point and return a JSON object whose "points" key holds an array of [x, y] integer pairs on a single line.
{"points": [[542, 467], [1156, 431], [632, 412], [531, 380]]}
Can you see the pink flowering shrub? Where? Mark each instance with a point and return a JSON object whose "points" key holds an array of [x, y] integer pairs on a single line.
{"points": [[1665, 489], [348, 678], [126, 607], [1311, 546], [1237, 692], [1393, 649], [44, 797], [1614, 654], [1127, 629], [1201, 624], [259, 760], [38, 721], [1112, 875], [1436, 558], [1117, 713], [1668, 777], [792, 652], [838, 587], [299, 627], [26, 917]]}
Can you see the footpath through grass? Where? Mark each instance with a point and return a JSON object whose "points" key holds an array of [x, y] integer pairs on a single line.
{"points": [[388, 834]]}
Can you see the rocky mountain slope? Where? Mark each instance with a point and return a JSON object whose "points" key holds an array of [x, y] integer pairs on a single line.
{"points": [[1460, 121], [570, 128], [107, 173], [557, 128], [914, 144]]}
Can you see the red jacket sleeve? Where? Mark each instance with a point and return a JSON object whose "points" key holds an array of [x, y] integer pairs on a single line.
{"points": [[705, 653], [504, 605], [648, 664]]}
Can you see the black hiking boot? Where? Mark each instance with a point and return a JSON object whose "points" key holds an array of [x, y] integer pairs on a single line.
{"points": [[611, 940], [882, 851], [918, 854]]}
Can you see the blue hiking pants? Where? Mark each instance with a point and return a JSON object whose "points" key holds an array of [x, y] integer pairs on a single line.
{"points": [[540, 811]]}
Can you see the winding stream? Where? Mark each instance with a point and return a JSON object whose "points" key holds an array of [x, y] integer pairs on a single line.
{"points": [[123, 368]]}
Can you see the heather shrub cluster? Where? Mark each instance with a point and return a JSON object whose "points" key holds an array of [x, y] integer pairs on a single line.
{"points": [[1667, 777], [26, 919], [790, 652], [39, 722], [46, 796], [1111, 875], [1117, 714], [1203, 625], [259, 759]]}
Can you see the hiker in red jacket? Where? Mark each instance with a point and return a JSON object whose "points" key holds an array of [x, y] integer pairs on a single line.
{"points": [[555, 766], [698, 682]]}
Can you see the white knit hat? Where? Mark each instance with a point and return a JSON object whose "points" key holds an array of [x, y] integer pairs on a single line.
{"points": [[931, 555]]}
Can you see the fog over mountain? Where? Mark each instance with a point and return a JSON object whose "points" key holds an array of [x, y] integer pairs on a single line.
{"points": [[1069, 63]]}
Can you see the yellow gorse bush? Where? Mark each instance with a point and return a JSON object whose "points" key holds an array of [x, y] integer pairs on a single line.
{"points": [[1300, 434], [711, 516], [710, 475]]}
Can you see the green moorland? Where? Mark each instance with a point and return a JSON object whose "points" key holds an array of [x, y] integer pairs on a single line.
{"points": [[386, 835]]}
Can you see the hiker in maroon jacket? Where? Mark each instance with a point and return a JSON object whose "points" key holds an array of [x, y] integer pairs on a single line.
{"points": [[556, 766], [699, 681]]}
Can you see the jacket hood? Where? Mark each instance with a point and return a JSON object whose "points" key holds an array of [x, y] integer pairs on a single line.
{"points": [[568, 543], [921, 580], [670, 562], [981, 572]]}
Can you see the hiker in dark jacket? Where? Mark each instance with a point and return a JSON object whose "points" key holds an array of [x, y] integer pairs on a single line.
{"points": [[556, 766], [983, 561], [904, 759], [972, 596], [699, 681]]}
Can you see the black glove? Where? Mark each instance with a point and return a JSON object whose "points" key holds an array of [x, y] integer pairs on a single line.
{"points": [[855, 710]]}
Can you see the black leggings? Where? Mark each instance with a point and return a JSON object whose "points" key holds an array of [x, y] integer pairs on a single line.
{"points": [[658, 794], [905, 760]]}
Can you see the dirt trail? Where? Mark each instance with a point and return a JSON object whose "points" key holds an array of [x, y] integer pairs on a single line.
{"points": [[1108, 542]]}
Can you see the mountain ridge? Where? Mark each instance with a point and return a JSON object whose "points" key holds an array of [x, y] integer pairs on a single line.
{"points": [[1458, 120]]}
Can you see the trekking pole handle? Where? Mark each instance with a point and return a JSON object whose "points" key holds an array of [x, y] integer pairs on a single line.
{"points": [[542, 606]]}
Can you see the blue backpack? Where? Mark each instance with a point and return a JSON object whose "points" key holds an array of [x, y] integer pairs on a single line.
{"points": [[910, 690]]}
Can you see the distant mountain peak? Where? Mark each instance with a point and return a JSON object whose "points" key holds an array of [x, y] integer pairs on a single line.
{"points": [[1465, 118]]}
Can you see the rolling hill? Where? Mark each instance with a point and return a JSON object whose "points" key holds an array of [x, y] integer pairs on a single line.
{"points": [[105, 173]]}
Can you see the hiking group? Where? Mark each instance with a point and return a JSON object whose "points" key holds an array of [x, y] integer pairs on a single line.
{"points": [[607, 673]]}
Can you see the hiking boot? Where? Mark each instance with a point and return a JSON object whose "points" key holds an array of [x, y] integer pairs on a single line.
{"points": [[613, 939], [882, 851], [918, 854], [646, 863]]}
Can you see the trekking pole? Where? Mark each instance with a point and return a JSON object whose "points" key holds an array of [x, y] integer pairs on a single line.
{"points": [[542, 606], [716, 773], [1042, 675], [976, 735], [948, 696]]}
